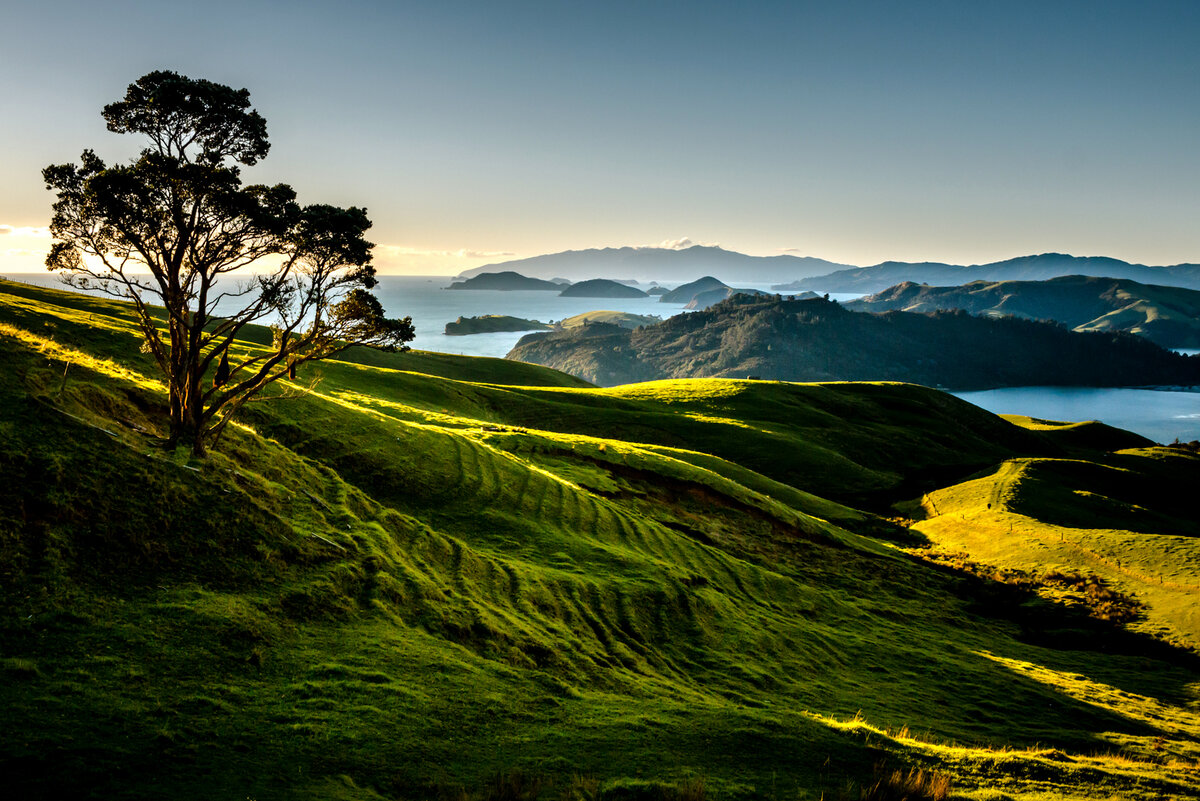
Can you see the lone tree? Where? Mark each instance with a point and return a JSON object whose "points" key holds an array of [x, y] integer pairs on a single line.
{"points": [[170, 227]]}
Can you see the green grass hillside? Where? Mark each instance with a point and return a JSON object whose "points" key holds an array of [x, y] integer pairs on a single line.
{"points": [[428, 576]]}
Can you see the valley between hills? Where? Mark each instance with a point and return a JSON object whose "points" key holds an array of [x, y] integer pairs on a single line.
{"points": [[418, 575]]}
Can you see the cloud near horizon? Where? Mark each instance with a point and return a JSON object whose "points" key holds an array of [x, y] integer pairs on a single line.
{"points": [[23, 248], [15, 230], [462, 253], [405, 259], [683, 243]]}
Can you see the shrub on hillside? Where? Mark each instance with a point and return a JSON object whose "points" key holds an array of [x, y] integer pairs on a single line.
{"points": [[1102, 601]]}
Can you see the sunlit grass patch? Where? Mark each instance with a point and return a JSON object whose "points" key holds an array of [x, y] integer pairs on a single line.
{"points": [[49, 347], [1037, 770], [1123, 517], [1166, 718]]}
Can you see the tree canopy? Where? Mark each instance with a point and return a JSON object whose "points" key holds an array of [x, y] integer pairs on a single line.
{"points": [[170, 228]]}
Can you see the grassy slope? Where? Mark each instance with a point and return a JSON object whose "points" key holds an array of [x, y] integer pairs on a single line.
{"points": [[395, 585], [1128, 517], [858, 442]]}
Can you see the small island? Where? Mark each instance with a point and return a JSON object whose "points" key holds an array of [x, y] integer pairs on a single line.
{"points": [[506, 282], [492, 323], [619, 319], [602, 288]]}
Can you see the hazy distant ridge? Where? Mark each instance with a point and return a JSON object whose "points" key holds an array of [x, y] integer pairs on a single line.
{"points": [[866, 280], [795, 273], [663, 264]]}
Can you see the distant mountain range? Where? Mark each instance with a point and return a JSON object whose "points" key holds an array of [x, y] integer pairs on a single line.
{"points": [[1167, 315], [819, 340], [865, 280], [795, 273], [663, 264]]}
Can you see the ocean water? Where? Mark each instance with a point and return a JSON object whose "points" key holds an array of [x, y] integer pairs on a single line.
{"points": [[1160, 415], [431, 306]]}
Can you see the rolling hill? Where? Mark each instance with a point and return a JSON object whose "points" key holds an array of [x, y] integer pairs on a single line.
{"points": [[818, 340], [431, 576], [1126, 517], [1168, 316]]}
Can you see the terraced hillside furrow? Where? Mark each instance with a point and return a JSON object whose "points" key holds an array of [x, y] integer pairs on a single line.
{"points": [[485, 478], [481, 480], [616, 533]]}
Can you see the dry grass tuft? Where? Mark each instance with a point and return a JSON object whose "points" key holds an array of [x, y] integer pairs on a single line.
{"points": [[917, 784], [581, 788], [693, 789]]}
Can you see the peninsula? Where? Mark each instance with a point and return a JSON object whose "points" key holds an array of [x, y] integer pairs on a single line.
{"points": [[819, 340]]}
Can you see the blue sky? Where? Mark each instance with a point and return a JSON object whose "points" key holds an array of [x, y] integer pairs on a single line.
{"points": [[855, 131]]}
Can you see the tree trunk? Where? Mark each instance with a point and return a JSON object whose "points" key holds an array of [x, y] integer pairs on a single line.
{"points": [[186, 400], [193, 437], [199, 447], [193, 410], [187, 426]]}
